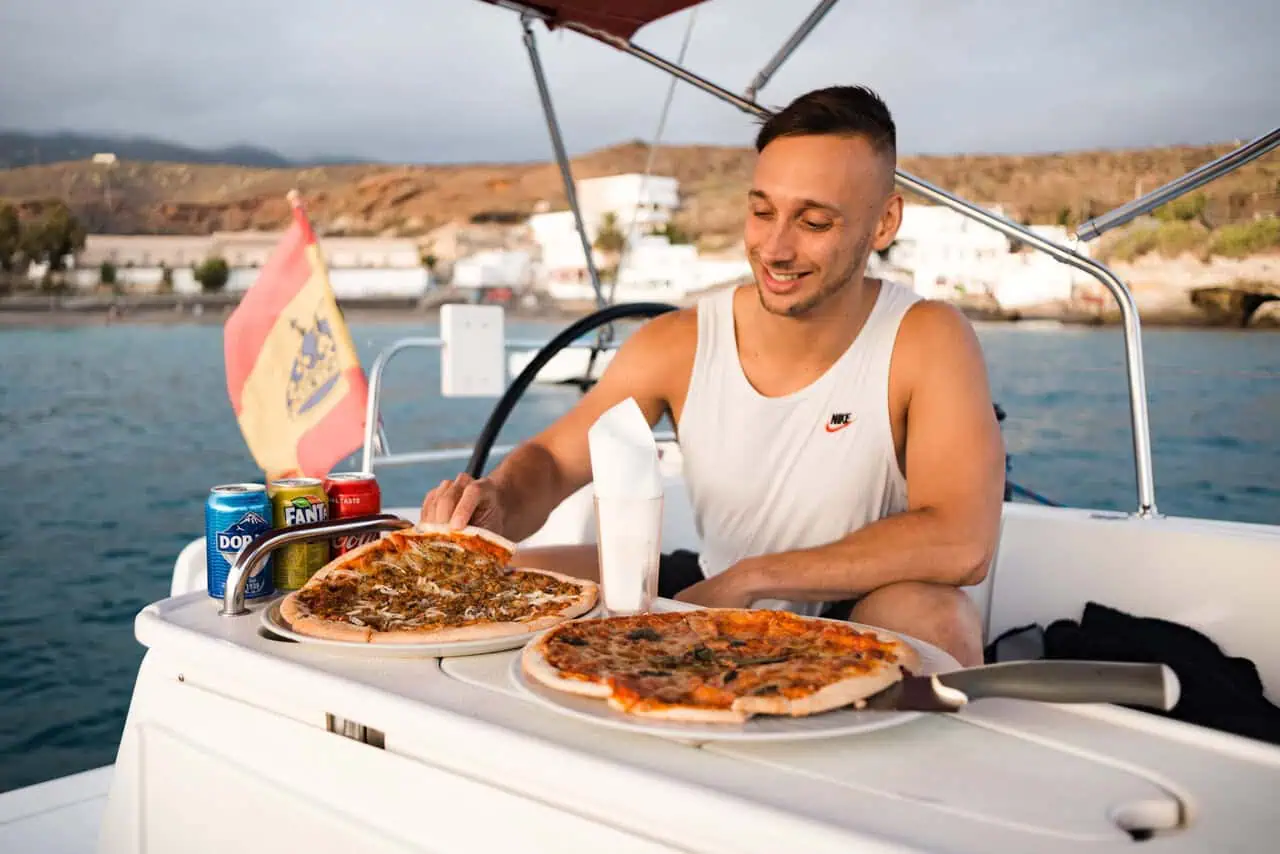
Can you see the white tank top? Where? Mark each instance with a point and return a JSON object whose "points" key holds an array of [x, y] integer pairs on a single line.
{"points": [[769, 474]]}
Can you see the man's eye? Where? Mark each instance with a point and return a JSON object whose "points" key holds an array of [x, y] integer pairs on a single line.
{"points": [[816, 226], [761, 214]]}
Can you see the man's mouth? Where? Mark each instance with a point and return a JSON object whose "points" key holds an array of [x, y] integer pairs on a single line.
{"points": [[780, 282]]}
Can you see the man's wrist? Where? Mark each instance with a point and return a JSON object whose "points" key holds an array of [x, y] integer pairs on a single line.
{"points": [[752, 578]]}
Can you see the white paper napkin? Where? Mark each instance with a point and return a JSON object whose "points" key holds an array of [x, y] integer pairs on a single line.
{"points": [[624, 455]]}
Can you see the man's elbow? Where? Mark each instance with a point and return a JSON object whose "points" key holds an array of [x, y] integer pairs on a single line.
{"points": [[971, 559]]}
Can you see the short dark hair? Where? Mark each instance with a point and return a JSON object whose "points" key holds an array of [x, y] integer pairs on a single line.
{"points": [[836, 110]]}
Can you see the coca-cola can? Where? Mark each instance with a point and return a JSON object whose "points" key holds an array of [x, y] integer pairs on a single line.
{"points": [[352, 494]]}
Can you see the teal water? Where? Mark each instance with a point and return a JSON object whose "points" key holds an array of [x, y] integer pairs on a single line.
{"points": [[113, 435]]}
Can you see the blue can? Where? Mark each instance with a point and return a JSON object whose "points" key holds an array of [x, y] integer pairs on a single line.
{"points": [[234, 515]]}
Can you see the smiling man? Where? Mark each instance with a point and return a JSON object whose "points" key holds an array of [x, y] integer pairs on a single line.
{"points": [[840, 447]]}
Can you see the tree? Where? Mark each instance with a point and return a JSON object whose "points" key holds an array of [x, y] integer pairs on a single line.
{"points": [[212, 274], [10, 238], [53, 237], [107, 274], [609, 238]]}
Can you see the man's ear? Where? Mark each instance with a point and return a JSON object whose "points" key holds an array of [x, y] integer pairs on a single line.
{"points": [[890, 221]]}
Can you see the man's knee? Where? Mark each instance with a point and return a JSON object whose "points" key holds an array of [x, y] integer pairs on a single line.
{"points": [[937, 613]]}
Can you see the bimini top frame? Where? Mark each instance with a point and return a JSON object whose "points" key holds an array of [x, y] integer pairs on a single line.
{"points": [[615, 22]]}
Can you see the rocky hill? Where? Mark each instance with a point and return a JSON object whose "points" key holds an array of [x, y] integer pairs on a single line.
{"points": [[135, 196]]}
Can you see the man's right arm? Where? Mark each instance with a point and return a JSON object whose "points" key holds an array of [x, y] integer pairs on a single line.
{"points": [[543, 471]]}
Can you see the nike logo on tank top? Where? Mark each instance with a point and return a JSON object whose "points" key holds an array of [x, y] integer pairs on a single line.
{"points": [[770, 474]]}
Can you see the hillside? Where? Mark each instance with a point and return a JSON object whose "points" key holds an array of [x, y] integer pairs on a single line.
{"points": [[19, 148], [192, 198]]}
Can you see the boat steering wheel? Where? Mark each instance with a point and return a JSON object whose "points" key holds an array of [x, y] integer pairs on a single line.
{"points": [[501, 410]]}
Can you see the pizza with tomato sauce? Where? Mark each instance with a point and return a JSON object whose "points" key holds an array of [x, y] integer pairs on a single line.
{"points": [[719, 665]]}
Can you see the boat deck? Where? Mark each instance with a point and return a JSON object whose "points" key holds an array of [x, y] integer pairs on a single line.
{"points": [[999, 776]]}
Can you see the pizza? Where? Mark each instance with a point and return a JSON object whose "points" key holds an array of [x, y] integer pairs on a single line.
{"points": [[719, 665], [433, 584]]}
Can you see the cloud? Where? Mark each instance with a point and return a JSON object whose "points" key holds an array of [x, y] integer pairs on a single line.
{"points": [[449, 80]]}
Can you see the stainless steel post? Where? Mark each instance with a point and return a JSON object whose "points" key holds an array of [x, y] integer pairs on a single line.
{"points": [[1228, 162], [784, 52], [562, 157], [255, 554]]}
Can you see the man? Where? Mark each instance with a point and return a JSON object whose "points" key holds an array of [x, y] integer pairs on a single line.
{"points": [[838, 435]]}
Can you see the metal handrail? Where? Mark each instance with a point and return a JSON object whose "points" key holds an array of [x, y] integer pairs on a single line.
{"points": [[252, 556], [1228, 162], [373, 400], [1138, 410], [784, 52]]}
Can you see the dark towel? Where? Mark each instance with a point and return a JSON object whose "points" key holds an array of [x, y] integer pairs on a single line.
{"points": [[1218, 691]]}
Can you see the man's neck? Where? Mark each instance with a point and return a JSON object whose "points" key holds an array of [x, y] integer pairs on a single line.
{"points": [[820, 337]]}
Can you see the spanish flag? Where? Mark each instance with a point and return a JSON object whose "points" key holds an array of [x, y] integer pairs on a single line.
{"points": [[293, 376]]}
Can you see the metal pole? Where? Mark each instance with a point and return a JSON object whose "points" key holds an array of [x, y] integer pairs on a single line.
{"points": [[1128, 308], [374, 396], [1228, 162], [784, 52], [562, 158]]}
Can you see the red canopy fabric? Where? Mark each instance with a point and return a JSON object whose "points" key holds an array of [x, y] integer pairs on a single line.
{"points": [[621, 18]]}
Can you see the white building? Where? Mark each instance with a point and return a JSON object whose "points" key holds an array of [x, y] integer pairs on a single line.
{"points": [[650, 266], [358, 266], [951, 255], [494, 268]]}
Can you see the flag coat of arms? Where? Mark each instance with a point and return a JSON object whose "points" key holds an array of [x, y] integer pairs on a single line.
{"points": [[293, 376]]}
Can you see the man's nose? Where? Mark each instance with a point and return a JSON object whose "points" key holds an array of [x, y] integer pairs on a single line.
{"points": [[778, 246]]}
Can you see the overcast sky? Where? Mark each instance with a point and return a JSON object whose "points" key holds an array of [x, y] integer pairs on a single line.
{"points": [[448, 80]]}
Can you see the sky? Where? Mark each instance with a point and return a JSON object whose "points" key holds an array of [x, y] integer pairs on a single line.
{"points": [[438, 81]]}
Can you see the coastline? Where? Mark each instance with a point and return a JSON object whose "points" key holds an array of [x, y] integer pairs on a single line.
{"points": [[34, 310]]}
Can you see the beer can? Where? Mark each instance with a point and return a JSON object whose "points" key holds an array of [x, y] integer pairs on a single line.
{"points": [[234, 515], [352, 494], [297, 501]]}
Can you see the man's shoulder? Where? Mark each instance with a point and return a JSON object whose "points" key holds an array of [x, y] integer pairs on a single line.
{"points": [[675, 330], [929, 324], [934, 339]]}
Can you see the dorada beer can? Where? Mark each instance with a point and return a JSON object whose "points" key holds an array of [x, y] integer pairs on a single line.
{"points": [[235, 514], [352, 494], [297, 501]]}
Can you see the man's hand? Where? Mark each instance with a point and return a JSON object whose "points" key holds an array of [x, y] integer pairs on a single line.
{"points": [[725, 590], [465, 501]]}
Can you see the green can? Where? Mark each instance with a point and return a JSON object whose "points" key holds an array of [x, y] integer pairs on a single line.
{"points": [[296, 501]]}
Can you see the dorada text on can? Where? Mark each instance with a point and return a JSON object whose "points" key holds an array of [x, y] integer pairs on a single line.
{"points": [[306, 508], [234, 538]]}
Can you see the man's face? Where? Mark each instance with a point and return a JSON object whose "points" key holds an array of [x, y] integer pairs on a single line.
{"points": [[818, 205]]}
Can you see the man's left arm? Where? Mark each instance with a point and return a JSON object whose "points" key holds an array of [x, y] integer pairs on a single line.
{"points": [[955, 486]]}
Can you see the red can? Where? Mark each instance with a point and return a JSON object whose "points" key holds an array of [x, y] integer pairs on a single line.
{"points": [[352, 494]]}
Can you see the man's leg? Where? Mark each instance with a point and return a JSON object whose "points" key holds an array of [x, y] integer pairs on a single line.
{"points": [[939, 614]]}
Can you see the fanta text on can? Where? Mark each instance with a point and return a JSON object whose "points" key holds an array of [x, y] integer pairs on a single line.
{"points": [[297, 501], [352, 494], [234, 515]]}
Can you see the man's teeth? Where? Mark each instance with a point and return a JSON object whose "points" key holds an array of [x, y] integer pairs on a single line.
{"points": [[786, 277]]}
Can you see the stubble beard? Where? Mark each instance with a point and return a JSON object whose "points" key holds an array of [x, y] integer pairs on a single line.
{"points": [[829, 288]]}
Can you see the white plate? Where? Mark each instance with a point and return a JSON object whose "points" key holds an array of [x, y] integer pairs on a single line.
{"points": [[836, 722], [276, 624]]}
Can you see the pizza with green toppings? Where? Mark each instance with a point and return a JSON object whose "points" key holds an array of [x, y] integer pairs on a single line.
{"points": [[433, 584]]}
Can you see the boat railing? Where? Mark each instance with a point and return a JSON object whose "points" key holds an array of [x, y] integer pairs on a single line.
{"points": [[377, 451]]}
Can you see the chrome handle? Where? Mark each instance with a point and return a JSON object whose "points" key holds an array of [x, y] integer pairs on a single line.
{"points": [[257, 551]]}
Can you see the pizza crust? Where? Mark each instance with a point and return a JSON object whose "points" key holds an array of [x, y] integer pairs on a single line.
{"points": [[534, 662], [684, 714]]}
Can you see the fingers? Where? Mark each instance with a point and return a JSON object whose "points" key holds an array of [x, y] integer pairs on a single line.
{"points": [[467, 503], [442, 504]]}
